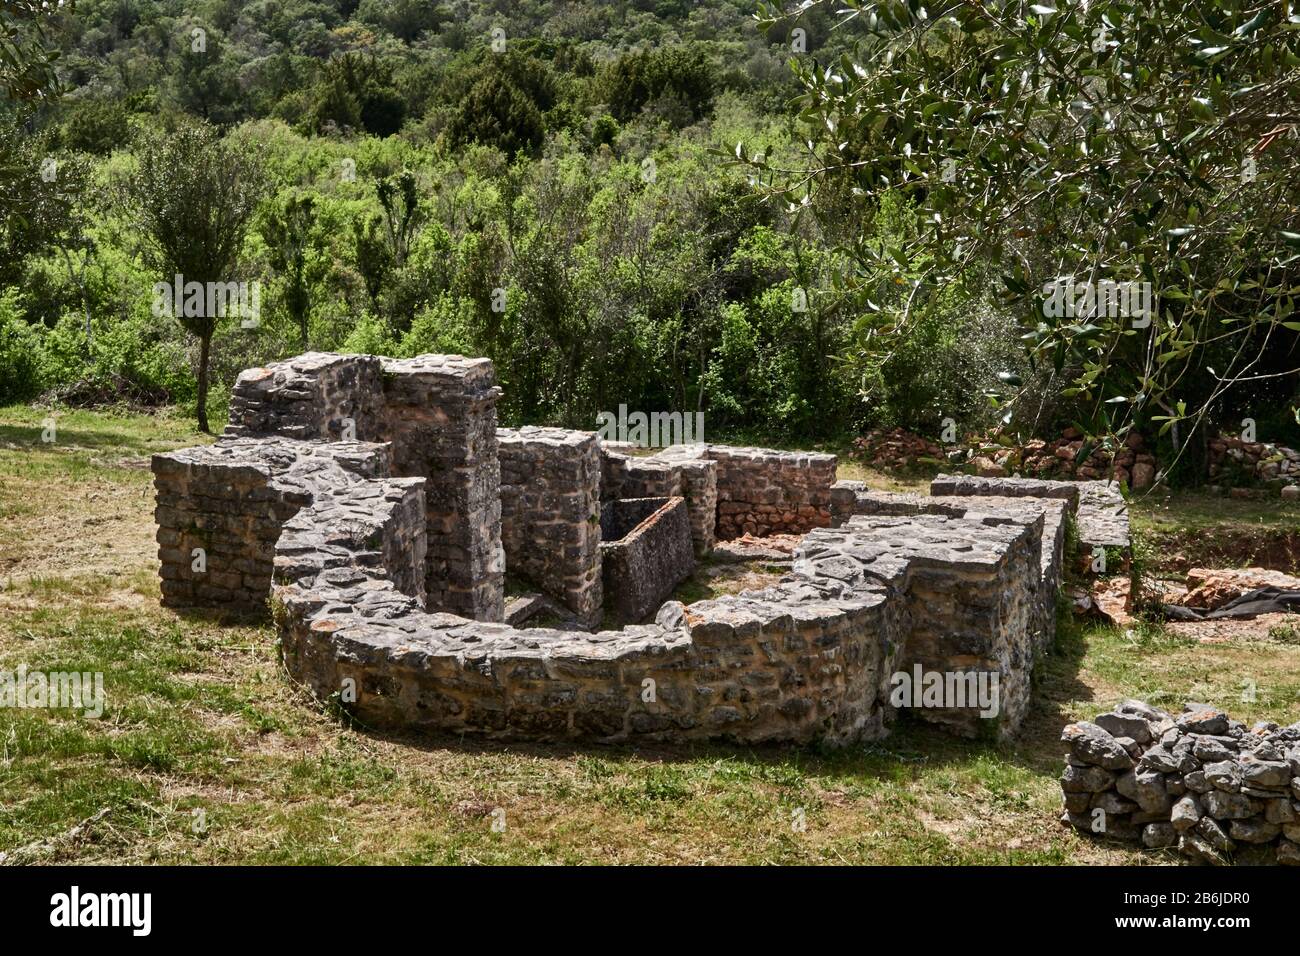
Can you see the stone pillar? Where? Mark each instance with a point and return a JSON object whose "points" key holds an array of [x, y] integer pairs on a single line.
{"points": [[440, 415], [550, 503]]}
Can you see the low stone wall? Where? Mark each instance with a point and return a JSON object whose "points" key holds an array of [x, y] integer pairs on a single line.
{"points": [[1237, 463], [318, 396], [550, 513], [221, 508], [971, 485], [764, 492], [1200, 782], [645, 552], [969, 589], [374, 540], [854, 498], [801, 661], [1099, 508], [729, 491], [811, 658], [677, 471]]}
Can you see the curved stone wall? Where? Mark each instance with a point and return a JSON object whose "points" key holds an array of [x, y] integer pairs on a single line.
{"points": [[808, 659]]}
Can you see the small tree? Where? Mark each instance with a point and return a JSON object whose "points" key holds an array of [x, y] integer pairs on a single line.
{"points": [[382, 243], [192, 197], [295, 246], [26, 59], [1084, 147]]}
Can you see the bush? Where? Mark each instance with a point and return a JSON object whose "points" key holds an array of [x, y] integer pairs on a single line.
{"points": [[20, 345]]}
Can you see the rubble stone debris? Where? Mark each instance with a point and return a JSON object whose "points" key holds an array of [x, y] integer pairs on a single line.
{"points": [[1199, 782]]}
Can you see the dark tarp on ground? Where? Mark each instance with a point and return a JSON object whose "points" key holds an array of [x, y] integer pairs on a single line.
{"points": [[1271, 600]]}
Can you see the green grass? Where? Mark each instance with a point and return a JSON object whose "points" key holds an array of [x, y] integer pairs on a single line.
{"points": [[207, 753], [1191, 529]]}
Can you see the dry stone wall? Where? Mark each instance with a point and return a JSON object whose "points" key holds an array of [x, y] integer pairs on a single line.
{"points": [[1199, 782]]}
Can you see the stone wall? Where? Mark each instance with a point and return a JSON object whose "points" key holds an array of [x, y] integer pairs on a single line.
{"points": [[853, 498], [729, 491], [1237, 463], [371, 542], [1099, 508], [802, 661], [645, 551], [230, 501], [550, 513], [677, 471], [763, 492], [969, 590], [439, 414], [808, 659], [1199, 782], [315, 396]]}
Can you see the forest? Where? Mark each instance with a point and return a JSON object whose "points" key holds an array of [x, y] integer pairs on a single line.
{"points": [[692, 206]]}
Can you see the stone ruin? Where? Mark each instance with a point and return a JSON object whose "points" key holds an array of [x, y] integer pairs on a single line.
{"points": [[376, 507], [1199, 782]]}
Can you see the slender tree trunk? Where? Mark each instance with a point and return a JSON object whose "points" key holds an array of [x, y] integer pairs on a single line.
{"points": [[205, 348]]}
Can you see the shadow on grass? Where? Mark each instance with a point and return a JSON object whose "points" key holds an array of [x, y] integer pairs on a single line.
{"points": [[100, 438]]}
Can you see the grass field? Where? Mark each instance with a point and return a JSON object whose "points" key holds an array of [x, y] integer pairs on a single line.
{"points": [[207, 753]]}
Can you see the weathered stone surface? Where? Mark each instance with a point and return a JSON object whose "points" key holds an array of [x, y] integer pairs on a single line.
{"points": [[646, 552], [550, 513], [1126, 725], [437, 412], [762, 491], [1099, 508], [682, 471], [1156, 835], [367, 496], [1089, 743], [1211, 588], [1186, 813], [1241, 794], [968, 588]]}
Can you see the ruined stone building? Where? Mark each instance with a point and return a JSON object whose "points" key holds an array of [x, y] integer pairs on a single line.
{"points": [[375, 508]]}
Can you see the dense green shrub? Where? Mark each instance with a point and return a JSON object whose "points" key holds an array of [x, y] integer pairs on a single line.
{"points": [[20, 352]]}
